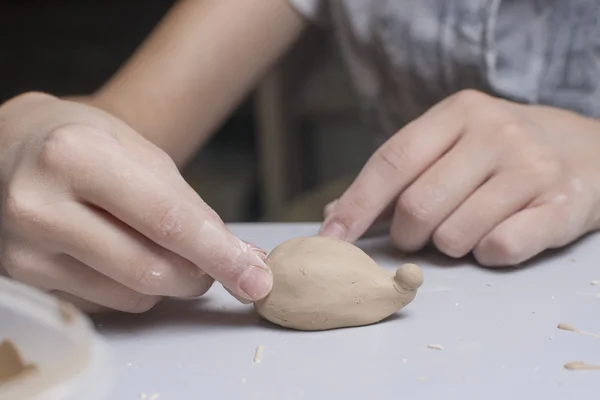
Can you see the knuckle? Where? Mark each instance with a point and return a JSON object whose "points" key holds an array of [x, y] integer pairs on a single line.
{"points": [[499, 249], [149, 275], [533, 157], [59, 146], [160, 160], [168, 227], [511, 130], [398, 236], [137, 303], [542, 165], [354, 208], [226, 263], [165, 159], [451, 242], [19, 210], [203, 284], [412, 206], [469, 98], [16, 262], [35, 96], [28, 98], [405, 241], [393, 156]]}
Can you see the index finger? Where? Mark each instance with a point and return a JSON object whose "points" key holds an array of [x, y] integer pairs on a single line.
{"points": [[141, 199], [391, 169]]}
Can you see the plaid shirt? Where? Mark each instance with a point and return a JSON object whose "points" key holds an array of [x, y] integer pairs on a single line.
{"points": [[406, 55]]}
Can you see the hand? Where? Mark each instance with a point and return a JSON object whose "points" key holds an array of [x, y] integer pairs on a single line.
{"points": [[97, 214], [477, 173]]}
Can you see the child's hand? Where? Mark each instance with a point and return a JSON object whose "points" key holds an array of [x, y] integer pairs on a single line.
{"points": [[96, 213], [480, 174]]}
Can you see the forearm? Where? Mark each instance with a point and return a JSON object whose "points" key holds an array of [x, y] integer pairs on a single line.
{"points": [[195, 68]]}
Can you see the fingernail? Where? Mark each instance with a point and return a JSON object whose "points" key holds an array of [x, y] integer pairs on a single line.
{"points": [[333, 229], [256, 283], [257, 250]]}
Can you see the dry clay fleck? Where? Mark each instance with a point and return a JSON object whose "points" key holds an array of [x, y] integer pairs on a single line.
{"points": [[323, 283], [581, 366], [567, 327], [12, 365]]}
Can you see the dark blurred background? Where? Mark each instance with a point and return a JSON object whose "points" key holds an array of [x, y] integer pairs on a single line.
{"points": [[292, 146]]}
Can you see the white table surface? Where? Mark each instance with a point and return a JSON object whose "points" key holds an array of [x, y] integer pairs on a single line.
{"points": [[497, 329]]}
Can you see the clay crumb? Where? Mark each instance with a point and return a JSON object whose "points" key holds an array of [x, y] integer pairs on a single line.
{"points": [[488, 284], [567, 327], [595, 282], [573, 259], [258, 354], [67, 312], [435, 346], [12, 365], [580, 366]]}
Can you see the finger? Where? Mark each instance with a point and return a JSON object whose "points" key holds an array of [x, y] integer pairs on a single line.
{"points": [[524, 235], [391, 169], [238, 298], [141, 199], [384, 217], [425, 204], [499, 198], [105, 244], [380, 225], [159, 162], [329, 208], [65, 274], [83, 305]]}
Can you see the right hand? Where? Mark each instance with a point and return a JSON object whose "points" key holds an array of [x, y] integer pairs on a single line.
{"points": [[98, 215]]}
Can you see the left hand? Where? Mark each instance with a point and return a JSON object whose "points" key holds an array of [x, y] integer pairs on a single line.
{"points": [[476, 173]]}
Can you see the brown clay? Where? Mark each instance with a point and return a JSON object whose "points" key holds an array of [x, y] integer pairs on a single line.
{"points": [[322, 283]]}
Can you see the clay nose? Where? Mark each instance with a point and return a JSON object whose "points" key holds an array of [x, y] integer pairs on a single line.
{"points": [[409, 276]]}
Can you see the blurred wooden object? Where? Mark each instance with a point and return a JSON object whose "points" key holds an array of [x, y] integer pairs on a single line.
{"points": [[308, 85]]}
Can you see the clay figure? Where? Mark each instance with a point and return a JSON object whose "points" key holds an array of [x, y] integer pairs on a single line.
{"points": [[322, 283]]}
